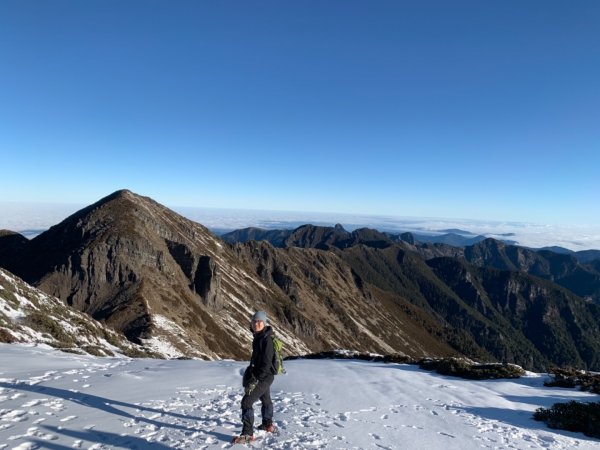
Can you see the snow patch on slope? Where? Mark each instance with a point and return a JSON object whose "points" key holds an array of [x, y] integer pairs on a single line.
{"points": [[28, 315]]}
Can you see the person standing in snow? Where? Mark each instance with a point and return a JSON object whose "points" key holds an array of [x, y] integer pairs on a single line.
{"points": [[258, 378]]}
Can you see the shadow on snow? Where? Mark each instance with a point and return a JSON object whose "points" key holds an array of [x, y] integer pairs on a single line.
{"points": [[512, 417], [110, 406]]}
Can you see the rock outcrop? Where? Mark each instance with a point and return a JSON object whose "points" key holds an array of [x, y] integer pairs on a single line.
{"points": [[171, 285], [165, 281]]}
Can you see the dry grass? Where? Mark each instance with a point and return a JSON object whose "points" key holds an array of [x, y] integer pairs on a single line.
{"points": [[45, 324], [6, 336]]}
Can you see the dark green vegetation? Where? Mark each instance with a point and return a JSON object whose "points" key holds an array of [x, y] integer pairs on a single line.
{"points": [[571, 378], [457, 367], [572, 416], [334, 354]]}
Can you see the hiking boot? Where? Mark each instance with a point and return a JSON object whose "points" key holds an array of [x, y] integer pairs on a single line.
{"points": [[243, 439], [269, 427]]}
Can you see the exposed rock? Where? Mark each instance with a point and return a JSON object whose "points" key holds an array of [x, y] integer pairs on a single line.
{"points": [[28, 315], [167, 282], [158, 277], [207, 282]]}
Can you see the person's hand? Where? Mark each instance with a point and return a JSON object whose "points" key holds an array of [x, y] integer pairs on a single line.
{"points": [[250, 386]]}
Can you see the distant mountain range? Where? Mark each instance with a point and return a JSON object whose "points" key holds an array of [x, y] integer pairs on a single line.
{"points": [[577, 271], [174, 288], [458, 238], [453, 237]]}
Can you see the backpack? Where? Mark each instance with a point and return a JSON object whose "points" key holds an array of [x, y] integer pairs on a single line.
{"points": [[278, 357]]}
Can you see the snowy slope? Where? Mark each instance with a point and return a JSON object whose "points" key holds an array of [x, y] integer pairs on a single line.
{"points": [[29, 315], [55, 400]]}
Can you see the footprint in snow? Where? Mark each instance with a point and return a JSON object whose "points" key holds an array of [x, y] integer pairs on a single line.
{"points": [[32, 403], [412, 426], [68, 418], [16, 415], [446, 434], [26, 446]]}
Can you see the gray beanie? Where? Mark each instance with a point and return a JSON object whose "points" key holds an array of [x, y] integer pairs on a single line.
{"points": [[260, 315]]}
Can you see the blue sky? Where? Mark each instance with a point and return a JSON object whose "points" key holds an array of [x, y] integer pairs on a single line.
{"points": [[469, 109]]}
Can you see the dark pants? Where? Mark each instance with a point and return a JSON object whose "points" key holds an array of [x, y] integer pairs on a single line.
{"points": [[262, 391]]}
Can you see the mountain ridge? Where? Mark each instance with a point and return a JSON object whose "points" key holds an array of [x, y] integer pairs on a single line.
{"points": [[168, 283], [451, 237], [154, 275]]}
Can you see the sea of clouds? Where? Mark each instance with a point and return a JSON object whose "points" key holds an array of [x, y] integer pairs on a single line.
{"points": [[31, 219]]}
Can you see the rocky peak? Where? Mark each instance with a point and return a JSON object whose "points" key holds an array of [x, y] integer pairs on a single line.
{"points": [[122, 193], [489, 252], [408, 237], [11, 244], [371, 238], [120, 258], [311, 236]]}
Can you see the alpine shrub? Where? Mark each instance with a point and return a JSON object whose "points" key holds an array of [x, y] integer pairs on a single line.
{"points": [[572, 416], [462, 368], [570, 378]]}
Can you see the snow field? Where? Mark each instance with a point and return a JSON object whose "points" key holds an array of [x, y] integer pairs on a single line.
{"points": [[62, 401]]}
